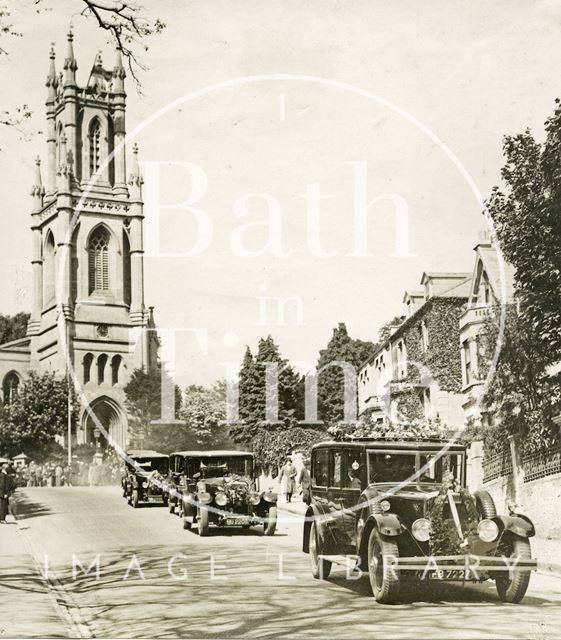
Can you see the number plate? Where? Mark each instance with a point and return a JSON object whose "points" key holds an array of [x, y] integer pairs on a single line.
{"points": [[233, 522], [450, 574]]}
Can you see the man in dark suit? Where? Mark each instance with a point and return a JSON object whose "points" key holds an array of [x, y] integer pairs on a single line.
{"points": [[5, 488]]}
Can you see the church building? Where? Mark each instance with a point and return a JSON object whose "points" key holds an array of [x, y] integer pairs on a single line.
{"points": [[88, 310]]}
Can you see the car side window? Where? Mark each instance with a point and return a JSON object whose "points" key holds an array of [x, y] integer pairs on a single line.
{"points": [[320, 468], [336, 469], [352, 478]]}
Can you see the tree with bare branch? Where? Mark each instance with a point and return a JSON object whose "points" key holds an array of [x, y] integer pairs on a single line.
{"points": [[125, 22]]}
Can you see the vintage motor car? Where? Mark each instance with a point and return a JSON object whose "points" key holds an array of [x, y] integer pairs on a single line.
{"points": [[143, 479], [400, 512], [219, 488]]}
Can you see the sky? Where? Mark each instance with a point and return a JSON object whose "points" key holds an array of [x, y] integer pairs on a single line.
{"points": [[352, 100]]}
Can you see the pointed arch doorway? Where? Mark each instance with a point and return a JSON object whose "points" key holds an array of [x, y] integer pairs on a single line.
{"points": [[112, 418]]}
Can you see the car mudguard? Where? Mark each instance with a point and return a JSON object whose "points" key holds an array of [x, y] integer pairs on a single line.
{"points": [[388, 524], [518, 524]]}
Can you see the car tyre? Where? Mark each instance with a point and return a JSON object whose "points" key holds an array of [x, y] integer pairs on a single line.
{"points": [[134, 498], [384, 578], [186, 523], [171, 506], [270, 525], [320, 568], [202, 522], [514, 589], [485, 504]]}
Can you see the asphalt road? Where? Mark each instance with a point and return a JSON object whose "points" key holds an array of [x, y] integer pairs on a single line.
{"points": [[238, 583]]}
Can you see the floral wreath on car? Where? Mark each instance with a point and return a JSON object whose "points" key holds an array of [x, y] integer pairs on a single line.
{"points": [[237, 489], [419, 429], [445, 538]]}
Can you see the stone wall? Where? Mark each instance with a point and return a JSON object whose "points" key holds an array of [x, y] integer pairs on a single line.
{"points": [[540, 500]]}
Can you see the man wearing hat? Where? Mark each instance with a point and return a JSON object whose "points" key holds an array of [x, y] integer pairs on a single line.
{"points": [[5, 488]]}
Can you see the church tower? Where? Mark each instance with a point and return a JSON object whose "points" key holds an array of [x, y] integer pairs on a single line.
{"points": [[87, 262]]}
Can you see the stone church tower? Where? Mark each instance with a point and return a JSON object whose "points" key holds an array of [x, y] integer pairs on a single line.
{"points": [[87, 262]]}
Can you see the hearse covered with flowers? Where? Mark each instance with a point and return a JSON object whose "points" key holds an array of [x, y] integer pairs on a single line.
{"points": [[144, 476], [401, 511], [218, 488]]}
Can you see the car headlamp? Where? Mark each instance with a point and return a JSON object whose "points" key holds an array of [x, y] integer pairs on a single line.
{"points": [[144, 485], [488, 530], [204, 497], [270, 496], [385, 505], [221, 499], [421, 529], [255, 498]]}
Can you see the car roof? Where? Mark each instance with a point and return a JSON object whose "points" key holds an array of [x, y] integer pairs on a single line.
{"points": [[211, 454], [405, 445], [145, 453]]}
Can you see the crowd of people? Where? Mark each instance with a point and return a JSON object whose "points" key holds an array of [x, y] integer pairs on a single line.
{"points": [[57, 473]]}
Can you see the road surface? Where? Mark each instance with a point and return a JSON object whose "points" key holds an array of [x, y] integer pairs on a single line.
{"points": [[235, 583]]}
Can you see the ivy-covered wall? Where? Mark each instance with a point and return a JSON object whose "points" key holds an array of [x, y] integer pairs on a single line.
{"points": [[442, 357]]}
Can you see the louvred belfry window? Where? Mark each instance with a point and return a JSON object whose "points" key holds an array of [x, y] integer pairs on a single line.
{"points": [[98, 254], [95, 141]]}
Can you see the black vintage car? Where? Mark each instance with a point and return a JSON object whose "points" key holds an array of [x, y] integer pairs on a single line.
{"points": [[401, 511], [144, 477], [218, 488]]}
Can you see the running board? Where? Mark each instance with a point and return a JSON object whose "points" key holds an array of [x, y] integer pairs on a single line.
{"points": [[350, 562]]}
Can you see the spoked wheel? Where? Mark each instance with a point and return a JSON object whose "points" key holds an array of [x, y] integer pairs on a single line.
{"points": [[320, 568], [384, 576], [512, 586], [202, 521], [270, 525], [134, 498]]}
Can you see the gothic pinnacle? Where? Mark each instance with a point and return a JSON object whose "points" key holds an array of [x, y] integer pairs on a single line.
{"points": [[38, 190], [70, 64], [52, 81]]}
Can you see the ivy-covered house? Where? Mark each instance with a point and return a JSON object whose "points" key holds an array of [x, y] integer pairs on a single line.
{"points": [[486, 293], [417, 371]]}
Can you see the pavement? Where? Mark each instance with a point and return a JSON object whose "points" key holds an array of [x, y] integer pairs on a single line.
{"points": [[24, 590], [115, 571]]}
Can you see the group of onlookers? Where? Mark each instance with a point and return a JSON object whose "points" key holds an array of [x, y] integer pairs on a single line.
{"points": [[291, 480]]}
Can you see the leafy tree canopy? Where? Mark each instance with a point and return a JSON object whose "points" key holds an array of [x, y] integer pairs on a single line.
{"points": [[527, 221], [37, 414], [342, 348], [13, 327]]}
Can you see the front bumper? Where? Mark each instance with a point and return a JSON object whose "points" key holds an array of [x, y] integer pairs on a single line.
{"points": [[460, 567]]}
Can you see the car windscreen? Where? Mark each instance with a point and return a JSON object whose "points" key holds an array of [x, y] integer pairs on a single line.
{"points": [[230, 465], [154, 464], [387, 466]]}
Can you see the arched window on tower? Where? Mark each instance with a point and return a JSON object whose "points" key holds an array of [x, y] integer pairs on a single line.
{"points": [[101, 364], [88, 360], [115, 366], [49, 270], [126, 268], [95, 146], [98, 261], [10, 387]]}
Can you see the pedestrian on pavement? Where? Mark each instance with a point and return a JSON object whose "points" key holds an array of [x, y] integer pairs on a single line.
{"points": [[305, 481], [58, 475], [288, 478], [5, 484]]}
